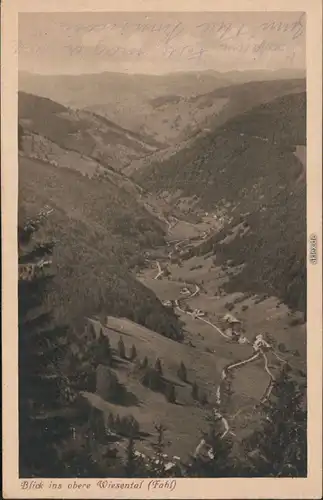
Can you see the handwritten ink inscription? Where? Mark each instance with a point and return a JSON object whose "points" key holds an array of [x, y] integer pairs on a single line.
{"points": [[188, 51], [177, 40]]}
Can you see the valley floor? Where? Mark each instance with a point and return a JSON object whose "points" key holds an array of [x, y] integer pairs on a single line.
{"points": [[193, 288]]}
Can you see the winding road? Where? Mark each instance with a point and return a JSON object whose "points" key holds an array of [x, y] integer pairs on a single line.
{"points": [[258, 346]]}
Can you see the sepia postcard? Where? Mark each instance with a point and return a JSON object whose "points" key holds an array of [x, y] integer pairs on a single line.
{"points": [[162, 249]]}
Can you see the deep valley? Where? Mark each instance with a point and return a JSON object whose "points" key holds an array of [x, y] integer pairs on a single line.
{"points": [[183, 246]]}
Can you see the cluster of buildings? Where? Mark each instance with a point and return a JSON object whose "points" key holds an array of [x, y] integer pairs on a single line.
{"points": [[234, 328]]}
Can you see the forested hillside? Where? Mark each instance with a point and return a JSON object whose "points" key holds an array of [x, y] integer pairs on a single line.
{"points": [[274, 260], [250, 148], [101, 232], [87, 133], [249, 171]]}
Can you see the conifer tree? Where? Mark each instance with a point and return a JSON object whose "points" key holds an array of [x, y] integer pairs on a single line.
{"points": [[135, 464], [216, 461], [157, 463], [182, 372], [278, 448], [152, 379], [104, 352], [144, 363], [111, 422], [130, 467], [41, 350], [121, 348], [158, 366], [133, 353], [171, 393], [99, 352], [195, 391]]}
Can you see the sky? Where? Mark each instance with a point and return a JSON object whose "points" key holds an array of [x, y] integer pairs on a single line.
{"points": [[160, 42]]}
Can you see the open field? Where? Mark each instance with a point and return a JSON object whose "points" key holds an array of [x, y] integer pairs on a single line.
{"points": [[202, 367]]}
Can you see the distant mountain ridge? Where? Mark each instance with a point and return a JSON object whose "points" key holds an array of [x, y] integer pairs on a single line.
{"points": [[174, 118]]}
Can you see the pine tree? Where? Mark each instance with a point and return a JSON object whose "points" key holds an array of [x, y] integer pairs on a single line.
{"points": [[121, 349], [144, 363], [182, 372], [135, 464], [42, 386], [171, 393], [98, 352], [133, 353], [130, 467], [157, 463], [279, 447], [217, 460], [158, 366], [195, 391], [111, 422], [104, 351], [152, 379]]}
